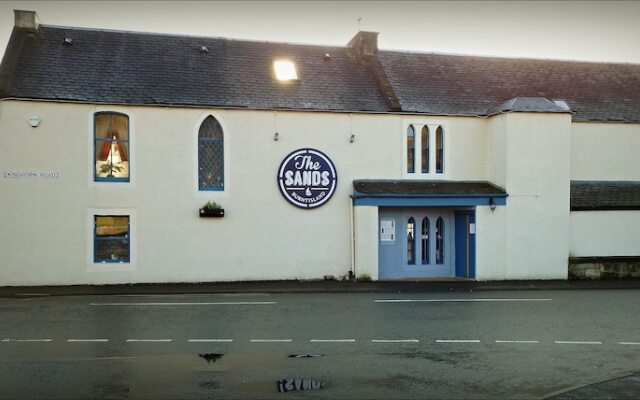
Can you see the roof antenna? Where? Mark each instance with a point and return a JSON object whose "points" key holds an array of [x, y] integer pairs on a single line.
{"points": [[359, 19]]}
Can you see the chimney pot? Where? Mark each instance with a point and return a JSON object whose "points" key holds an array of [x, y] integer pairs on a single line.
{"points": [[26, 20]]}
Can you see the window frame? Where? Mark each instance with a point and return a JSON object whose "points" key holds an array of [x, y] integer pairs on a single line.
{"points": [[425, 243], [411, 242], [97, 239], [423, 171], [223, 141], [128, 141], [411, 153], [440, 241]]}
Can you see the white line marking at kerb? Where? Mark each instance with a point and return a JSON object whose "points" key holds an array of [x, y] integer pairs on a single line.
{"points": [[457, 341], [210, 340], [332, 340], [395, 341], [454, 300], [227, 303], [87, 340], [27, 340], [150, 340], [630, 343], [271, 340], [518, 341], [574, 342]]}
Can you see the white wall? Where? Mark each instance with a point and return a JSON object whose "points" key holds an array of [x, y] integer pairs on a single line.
{"points": [[47, 223], [605, 151], [46, 235], [535, 168], [605, 233]]}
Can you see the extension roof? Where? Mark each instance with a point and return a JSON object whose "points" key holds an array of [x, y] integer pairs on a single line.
{"points": [[605, 195], [102, 66]]}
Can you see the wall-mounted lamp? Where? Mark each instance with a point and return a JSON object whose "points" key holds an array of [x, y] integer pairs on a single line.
{"points": [[275, 136], [352, 138], [492, 204]]}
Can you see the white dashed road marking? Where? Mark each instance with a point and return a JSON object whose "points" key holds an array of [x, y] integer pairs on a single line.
{"points": [[27, 340], [630, 343], [454, 300], [87, 340], [271, 340], [332, 340], [210, 340], [457, 341], [518, 341], [395, 341], [224, 303], [149, 340], [574, 342]]}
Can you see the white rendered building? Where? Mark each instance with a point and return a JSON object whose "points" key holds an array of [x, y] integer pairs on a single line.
{"points": [[392, 165]]}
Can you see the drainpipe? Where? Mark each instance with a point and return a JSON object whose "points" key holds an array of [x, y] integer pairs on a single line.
{"points": [[352, 271]]}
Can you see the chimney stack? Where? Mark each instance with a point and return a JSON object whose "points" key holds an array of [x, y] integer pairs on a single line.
{"points": [[364, 45], [26, 20]]}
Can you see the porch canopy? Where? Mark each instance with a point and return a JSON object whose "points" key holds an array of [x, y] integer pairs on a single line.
{"points": [[403, 193]]}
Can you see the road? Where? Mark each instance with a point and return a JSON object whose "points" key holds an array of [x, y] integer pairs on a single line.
{"points": [[502, 344]]}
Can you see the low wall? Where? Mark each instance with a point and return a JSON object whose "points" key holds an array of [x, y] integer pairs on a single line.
{"points": [[604, 267]]}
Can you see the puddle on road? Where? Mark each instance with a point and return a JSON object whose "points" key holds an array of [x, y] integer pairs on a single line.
{"points": [[305, 355], [211, 357]]}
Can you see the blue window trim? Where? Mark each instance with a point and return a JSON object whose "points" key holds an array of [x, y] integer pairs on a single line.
{"points": [[425, 242], [440, 242], [96, 178], [425, 149], [411, 258], [433, 200], [411, 155], [96, 260], [440, 153], [204, 139]]}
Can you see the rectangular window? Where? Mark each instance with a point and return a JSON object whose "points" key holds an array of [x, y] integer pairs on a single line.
{"points": [[111, 239], [111, 154]]}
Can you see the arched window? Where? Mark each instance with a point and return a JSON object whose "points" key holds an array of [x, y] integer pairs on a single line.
{"points": [[425, 240], [425, 149], [411, 241], [411, 148], [439, 150], [440, 241], [111, 144], [210, 155]]}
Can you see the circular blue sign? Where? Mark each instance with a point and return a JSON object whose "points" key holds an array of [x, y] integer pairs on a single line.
{"points": [[307, 178]]}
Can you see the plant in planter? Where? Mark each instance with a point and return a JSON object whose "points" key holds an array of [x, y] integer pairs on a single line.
{"points": [[212, 209]]}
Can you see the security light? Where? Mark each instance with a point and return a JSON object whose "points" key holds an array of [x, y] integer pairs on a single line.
{"points": [[285, 70]]}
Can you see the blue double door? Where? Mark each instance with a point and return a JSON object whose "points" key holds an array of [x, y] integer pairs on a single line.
{"points": [[426, 243]]}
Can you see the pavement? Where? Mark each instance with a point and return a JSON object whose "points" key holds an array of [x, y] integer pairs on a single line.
{"points": [[318, 286]]}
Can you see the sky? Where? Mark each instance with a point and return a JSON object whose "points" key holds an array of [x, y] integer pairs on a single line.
{"points": [[571, 30]]}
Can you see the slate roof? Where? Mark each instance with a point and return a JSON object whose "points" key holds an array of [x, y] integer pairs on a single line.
{"points": [[104, 66], [139, 68], [426, 188], [469, 85], [605, 195]]}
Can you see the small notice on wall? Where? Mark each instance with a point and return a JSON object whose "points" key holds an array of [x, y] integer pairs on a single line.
{"points": [[31, 174], [387, 230]]}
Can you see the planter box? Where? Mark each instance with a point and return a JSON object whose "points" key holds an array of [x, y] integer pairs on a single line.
{"points": [[217, 213]]}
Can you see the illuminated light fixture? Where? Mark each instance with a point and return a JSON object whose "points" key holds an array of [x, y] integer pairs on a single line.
{"points": [[285, 70], [492, 204]]}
